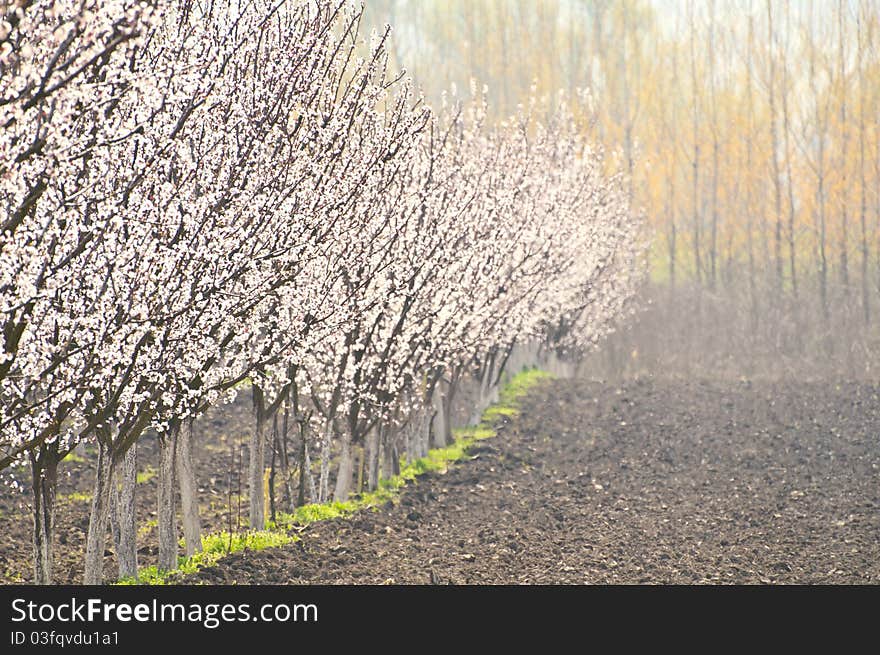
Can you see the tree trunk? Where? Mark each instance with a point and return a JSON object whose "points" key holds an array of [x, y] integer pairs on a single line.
{"points": [[313, 494], [425, 434], [439, 427], [373, 441], [96, 537], [419, 432], [167, 524], [44, 468], [774, 159], [713, 113], [113, 517], [343, 478], [189, 499], [448, 401], [276, 447], [409, 437], [257, 509], [795, 319], [303, 467], [286, 472], [695, 162], [385, 443], [863, 182], [753, 292], [481, 404], [843, 195], [126, 517], [390, 459], [395, 459], [486, 387], [324, 484]]}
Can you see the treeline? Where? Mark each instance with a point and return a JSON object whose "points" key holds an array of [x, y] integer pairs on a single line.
{"points": [[198, 197], [751, 132]]}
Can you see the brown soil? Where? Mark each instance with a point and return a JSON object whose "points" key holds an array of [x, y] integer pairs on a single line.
{"points": [[651, 481]]}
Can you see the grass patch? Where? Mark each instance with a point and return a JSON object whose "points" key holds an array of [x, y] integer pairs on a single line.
{"points": [[146, 475], [73, 458], [145, 529], [77, 497], [519, 385], [216, 546], [496, 412], [474, 432], [13, 577]]}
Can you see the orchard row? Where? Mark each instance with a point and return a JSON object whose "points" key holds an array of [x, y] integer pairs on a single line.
{"points": [[198, 197]]}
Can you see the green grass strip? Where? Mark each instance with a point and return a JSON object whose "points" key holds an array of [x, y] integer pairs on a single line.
{"points": [[215, 547], [218, 545]]}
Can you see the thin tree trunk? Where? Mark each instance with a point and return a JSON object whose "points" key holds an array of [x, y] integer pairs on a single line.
{"points": [[797, 332], [774, 156], [820, 127], [273, 468], [386, 454], [448, 403], [189, 498], [373, 440], [390, 457], [343, 478], [419, 434], [96, 537], [713, 234], [786, 126], [672, 238], [113, 518], [823, 257], [324, 484], [44, 469], [413, 435], [877, 178], [286, 472], [487, 394], [313, 494], [695, 163], [229, 526], [166, 514], [753, 291], [361, 469], [126, 516], [844, 220], [424, 434], [863, 182], [257, 508], [485, 375], [409, 442], [439, 427], [303, 465]]}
